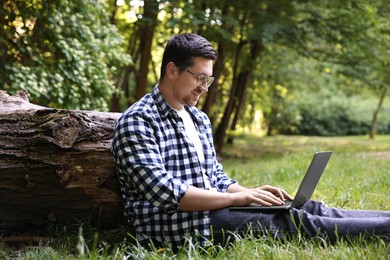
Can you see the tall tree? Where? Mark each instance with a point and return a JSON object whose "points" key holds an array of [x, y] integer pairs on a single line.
{"points": [[381, 56], [219, 65], [146, 28], [260, 23], [133, 79]]}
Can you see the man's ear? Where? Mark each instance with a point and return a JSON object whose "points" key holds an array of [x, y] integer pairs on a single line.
{"points": [[171, 70]]}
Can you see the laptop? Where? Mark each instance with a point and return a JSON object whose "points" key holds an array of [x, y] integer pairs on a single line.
{"points": [[306, 189]]}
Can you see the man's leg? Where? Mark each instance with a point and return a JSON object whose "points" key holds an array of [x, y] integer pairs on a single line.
{"points": [[312, 219], [315, 219], [225, 222]]}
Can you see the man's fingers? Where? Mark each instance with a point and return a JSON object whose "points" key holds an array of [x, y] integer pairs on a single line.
{"points": [[259, 196], [282, 194], [288, 196], [267, 196]]}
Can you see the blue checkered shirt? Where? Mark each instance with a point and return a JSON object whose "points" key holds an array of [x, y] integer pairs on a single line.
{"points": [[156, 162]]}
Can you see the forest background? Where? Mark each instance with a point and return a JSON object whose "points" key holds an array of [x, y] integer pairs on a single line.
{"points": [[316, 67]]}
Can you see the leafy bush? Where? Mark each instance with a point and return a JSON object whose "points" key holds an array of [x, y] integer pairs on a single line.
{"points": [[64, 53], [339, 114]]}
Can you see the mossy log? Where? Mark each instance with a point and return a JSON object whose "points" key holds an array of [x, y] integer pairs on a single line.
{"points": [[56, 166]]}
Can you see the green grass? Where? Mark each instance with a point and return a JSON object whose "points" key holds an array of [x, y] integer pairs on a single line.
{"points": [[357, 177]]}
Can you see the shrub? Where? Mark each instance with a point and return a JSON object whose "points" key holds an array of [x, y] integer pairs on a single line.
{"points": [[340, 115], [65, 53]]}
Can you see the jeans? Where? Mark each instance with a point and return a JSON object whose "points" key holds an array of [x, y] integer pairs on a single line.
{"points": [[313, 219]]}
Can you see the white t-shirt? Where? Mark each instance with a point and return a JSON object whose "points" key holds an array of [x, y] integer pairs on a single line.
{"points": [[194, 138]]}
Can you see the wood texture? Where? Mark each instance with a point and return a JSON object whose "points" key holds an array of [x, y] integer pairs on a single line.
{"points": [[56, 166]]}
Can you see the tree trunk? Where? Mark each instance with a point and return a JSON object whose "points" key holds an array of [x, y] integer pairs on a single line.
{"points": [[376, 112], [56, 166], [124, 77], [147, 34], [211, 98], [242, 81], [219, 67], [220, 132], [236, 102]]}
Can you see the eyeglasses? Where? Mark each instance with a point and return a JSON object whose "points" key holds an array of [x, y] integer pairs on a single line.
{"points": [[202, 79]]}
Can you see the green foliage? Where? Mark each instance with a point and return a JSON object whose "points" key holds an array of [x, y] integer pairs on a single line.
{"points": [[330, 114], [340, 46], [300, 95], [4, 251], [65, 53]]}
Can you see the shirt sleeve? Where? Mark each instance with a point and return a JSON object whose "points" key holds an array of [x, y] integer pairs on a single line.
{"points": [[222, 180], [219, 178], [140, 162]]}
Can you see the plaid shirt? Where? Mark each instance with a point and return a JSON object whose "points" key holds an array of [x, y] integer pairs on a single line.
{"points": [[156, 162]]}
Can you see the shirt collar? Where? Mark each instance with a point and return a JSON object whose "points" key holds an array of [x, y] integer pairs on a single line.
{"points": [[195, 114], [161, 104], [166, 109]]}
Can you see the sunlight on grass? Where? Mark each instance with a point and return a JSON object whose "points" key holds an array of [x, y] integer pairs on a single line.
{"points": [[357, 175]]}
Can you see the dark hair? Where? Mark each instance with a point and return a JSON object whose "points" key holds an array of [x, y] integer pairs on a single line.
{"points": [[181, 49]]}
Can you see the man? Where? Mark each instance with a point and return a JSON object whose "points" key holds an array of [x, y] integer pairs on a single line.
{"points": [[171, 182]]}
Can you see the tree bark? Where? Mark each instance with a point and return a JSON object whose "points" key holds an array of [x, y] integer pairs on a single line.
{"points": [[56, 166], [243, 81], [220, 132], [147, 34], [219, 67], [211, 97], [376, 113]]}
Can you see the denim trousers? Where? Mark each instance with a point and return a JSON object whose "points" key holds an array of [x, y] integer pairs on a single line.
{"points": [[313, 219]]}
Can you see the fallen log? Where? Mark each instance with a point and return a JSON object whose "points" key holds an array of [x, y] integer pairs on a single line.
{"points": [[56, 166]]}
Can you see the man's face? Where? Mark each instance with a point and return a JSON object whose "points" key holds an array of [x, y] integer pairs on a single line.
{"points": [[187, 89]]}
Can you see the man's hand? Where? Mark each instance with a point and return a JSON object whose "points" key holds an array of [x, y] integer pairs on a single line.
{"points": [[265, 195]]}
